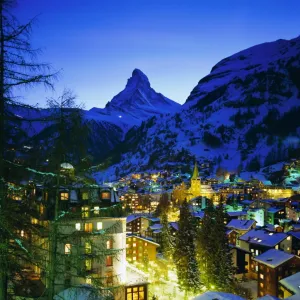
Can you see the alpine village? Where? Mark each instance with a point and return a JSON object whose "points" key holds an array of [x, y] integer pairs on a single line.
{"points": [[147, 198]]}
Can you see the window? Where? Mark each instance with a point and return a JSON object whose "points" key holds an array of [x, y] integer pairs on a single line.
{"points": [[88, 280], [99, 225], [67, 248], [109, 278], [42, 209], [88, 248], [109, 261], [22, 233], [146, 244], [34, 221], [106, 195], [88, 227], [77, 226], [109, 244], [85, 212], [88, 264], [261, 276], [134, 245], [85, 196], [134, 258], [261, 285], [288, 238], [136, 293], [64, 196], [96, 210]]}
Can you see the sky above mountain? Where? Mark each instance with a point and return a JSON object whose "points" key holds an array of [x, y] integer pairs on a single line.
{"points": [[96, 44]]}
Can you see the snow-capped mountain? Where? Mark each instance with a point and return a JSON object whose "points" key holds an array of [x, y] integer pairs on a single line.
{"points": [[107, 126], [243, 115], [136, 103]]}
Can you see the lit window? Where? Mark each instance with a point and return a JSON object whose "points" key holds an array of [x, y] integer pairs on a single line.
{"points": [[288, 238], [109, 261], [22, 233], [41, 209], [88, 264], [256, 268], [67, 248], [96, 210], [146, 244], [88, 280], [134, 258], [134, 245], [88, 248], [109, 244], [88, 227], [271, 233], [34, 221], [85, 212], [261, 285], [261, 276], [85, 196], [16, 197], [77, 226], [64, 196], [99, 225], [105, 195]]}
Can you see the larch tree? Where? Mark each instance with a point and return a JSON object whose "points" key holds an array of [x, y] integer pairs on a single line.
{"points": [[185, 252], [18, 68]]}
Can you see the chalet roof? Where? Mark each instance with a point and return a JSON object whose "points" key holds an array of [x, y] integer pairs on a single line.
{"points": [[237, 213], [263, 237], [241, 224], [295, 234], [131, 218], [274, 210], [273, 258], [217, 296], [174, 225], [142, 238], [292, 283], [156, 226]]}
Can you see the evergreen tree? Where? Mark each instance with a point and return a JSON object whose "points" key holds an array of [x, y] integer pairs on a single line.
{"points": [[185, 253], [167, 241], [214, 252], [18, 68]]}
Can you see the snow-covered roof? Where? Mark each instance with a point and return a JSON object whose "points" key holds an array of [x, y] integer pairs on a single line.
{"points": [[131, 218], [142, 238], [241, 224], [263, 237], [66, 166], [273, 258], [237, 213], [156, 226], [174, 225], [274, 210], [292, 283], [217, 296], [295, 234], [268, 297], [81, 292]]}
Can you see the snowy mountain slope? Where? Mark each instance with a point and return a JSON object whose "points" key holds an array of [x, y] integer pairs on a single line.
{"points": [[137, 102], [106, 126], [243, 115]]}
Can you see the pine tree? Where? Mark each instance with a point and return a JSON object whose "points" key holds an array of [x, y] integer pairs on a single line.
{"points": [[18, 68], [167, 241], [185, 253], [223, 257], [214, 252]]}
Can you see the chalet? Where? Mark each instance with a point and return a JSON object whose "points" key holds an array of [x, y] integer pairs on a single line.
{"points": [[274, 265], [140, 249], [139, 224], [275, 215], [258, 241], [241, 226], [295, 235], [289, 287]]}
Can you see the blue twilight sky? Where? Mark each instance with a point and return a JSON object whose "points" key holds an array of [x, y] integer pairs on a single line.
{"points": [[98, 43]]}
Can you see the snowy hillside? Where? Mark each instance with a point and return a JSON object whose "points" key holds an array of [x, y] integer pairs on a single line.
{"points": [[243, 115]]}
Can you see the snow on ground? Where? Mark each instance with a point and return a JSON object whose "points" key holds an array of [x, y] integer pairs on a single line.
{"points": [[218, 296]]}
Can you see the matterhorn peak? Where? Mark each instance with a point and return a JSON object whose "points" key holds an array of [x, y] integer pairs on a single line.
{"points": [[137, 79]]}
